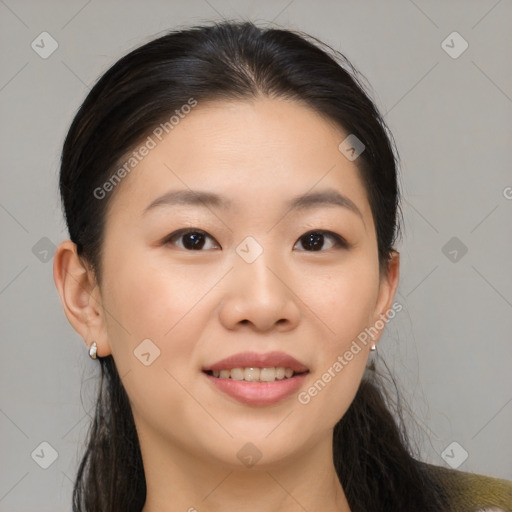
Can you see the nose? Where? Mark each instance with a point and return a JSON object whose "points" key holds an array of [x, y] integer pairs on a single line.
{"points": [[260, 295]]}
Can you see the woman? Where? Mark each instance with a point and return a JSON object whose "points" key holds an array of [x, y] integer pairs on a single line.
{"points": [[232, 200]]}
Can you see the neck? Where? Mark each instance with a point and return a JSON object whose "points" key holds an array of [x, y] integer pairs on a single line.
{"points": [[179, 481]]}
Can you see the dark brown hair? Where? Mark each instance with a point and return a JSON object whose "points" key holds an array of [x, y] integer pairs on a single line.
{"points": [[234, 60]]}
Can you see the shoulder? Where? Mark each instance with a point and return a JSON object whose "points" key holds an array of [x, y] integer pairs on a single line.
{"points": [[469, 492]]}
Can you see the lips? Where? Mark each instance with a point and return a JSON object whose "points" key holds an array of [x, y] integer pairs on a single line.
{"points": [[246, 377]]}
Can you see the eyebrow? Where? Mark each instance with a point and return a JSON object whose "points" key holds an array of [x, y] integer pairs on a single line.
{"points": [[310, 200]]}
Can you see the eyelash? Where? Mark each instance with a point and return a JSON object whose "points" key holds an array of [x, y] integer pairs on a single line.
{"points": [[339, 241]]}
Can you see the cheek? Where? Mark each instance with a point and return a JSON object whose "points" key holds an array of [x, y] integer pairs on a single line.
{"points": [[144, 302], [343, 298], [151, 298], [155, 320]]}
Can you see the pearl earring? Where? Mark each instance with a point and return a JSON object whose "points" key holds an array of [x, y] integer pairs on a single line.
{"points": [[93, 348]]}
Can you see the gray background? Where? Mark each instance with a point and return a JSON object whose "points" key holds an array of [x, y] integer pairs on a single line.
{"points": [[451, 117]]}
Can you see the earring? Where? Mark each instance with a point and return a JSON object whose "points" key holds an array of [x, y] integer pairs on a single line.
{"points": [[92, 350], [373, 348]]}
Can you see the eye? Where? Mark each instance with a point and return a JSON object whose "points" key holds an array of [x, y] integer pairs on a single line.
{"points": [[315, 240], [193, 239]]}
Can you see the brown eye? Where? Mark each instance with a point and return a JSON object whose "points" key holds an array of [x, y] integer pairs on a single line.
{"points": [[316, 240], [191, 240]]}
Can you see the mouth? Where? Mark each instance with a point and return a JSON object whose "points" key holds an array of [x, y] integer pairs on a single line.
{"points": [[257, 379]]}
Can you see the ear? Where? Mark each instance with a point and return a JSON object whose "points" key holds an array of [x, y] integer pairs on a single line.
{"points": [[387, 289], [80, 296]]}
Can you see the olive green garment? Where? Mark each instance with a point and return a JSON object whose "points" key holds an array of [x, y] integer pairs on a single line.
{"points": [[469, 492]]}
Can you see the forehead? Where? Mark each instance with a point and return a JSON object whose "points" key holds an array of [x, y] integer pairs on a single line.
{"points": [[257, 153]]}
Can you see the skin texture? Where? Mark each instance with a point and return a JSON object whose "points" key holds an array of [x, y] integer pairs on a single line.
{"points": [[198, 307]]}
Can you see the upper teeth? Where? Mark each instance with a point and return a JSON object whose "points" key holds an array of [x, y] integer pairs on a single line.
{"points": [[255, 374]]}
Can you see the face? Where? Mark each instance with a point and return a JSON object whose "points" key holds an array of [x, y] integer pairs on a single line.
{"points": [[187, 284]]}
